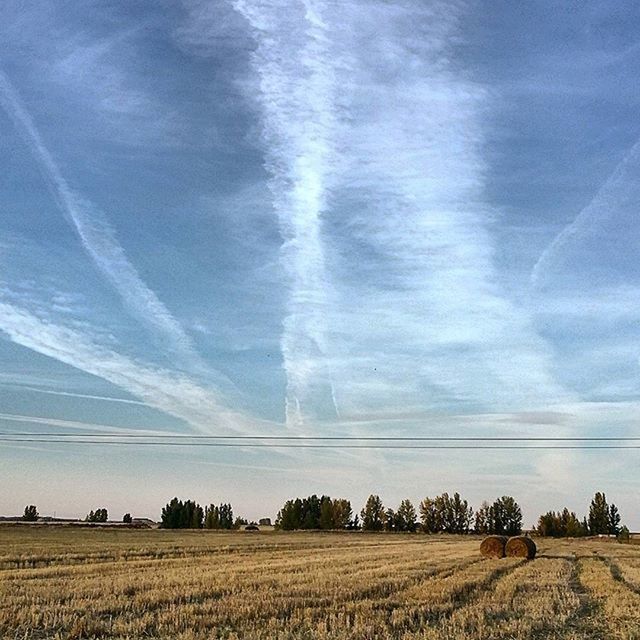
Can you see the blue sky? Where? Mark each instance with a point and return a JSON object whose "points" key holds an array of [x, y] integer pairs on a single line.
{"points": [[302, 217]]}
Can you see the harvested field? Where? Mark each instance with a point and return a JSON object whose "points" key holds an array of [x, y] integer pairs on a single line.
{"points": [[77, 583]]}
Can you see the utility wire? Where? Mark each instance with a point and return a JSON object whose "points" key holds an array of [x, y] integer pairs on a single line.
{"points": [[289, 445], [383, 439]]}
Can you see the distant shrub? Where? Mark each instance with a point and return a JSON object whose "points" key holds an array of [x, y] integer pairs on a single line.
{"points": [[623, 534]]}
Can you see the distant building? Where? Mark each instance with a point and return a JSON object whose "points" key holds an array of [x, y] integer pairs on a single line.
{"points": [[265, 522]]}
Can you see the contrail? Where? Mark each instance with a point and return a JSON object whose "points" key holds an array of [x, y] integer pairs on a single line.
{"points": [[606, 201], [297, 85], [71, 394], [172, 393], [98, 237]]}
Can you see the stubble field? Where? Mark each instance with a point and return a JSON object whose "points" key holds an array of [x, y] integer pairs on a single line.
{"points": [[78, 583]]}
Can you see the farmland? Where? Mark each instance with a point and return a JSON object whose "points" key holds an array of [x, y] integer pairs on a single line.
{"points": [[75, 583]]}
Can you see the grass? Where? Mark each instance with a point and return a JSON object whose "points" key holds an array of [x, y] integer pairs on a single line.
{"points": [[79, 583]]}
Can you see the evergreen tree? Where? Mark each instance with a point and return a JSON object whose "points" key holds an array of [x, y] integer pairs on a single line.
{"points": [[599, 515], [614, 520], [373, 514]]}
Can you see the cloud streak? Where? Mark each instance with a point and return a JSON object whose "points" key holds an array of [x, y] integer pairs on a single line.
{"points": [[70, 394], [98, 238], [619, 191], [378, 186], [297, 88], [170, 392]]}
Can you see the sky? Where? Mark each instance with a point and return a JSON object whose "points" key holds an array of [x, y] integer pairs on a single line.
{"points": [[313, 218]]}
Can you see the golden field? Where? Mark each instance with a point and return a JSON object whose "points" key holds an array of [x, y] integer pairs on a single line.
{"points": [[58, 582]]}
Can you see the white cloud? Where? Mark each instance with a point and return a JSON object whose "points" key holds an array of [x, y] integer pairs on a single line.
{"points": [[170, 392], [97, 236]]}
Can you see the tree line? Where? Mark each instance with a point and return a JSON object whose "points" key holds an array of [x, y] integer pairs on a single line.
{"points": [[603, 519], [188, 514], [442, 514]]}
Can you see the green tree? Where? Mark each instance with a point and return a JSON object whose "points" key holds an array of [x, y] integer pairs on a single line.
{"points": [[211, 517], [226, 516], [287, 518], [623, 534], [341, 513], [483, 519], [406, 516], [127, 519], [505, 517], [390, 520], [326, 513], [614, 520], [99, 515], [182, 515], [171, 514], [373, 514], [30, 513], [429, 516], [559, 525], [599, 515]]}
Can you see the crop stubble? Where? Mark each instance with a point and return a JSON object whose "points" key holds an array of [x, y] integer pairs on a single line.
{"points": [[67, 583]]}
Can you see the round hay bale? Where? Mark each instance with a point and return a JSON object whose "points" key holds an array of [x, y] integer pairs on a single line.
{"points": [[493, 546], [521, 547]]}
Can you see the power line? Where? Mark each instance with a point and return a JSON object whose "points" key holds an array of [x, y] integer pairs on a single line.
{"points": [[199, 437], [290, 445]]}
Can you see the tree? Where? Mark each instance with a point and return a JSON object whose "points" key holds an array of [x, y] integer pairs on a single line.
{"points": [[506, 517], [429, 516], [406, 517], [373, 514], [614, 520], [390, 520], [226, 516], [623, 534], [287, 518], [311, 507], [99, 515], [341, 513], [559, 525], [447, 513], [211, 517], [326, 513], [483, 519], [599, 515], [30, 513], [182, 515], [127, 519]]}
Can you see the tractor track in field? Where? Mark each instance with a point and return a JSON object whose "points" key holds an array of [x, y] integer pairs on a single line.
{"points": [[586, 623]]}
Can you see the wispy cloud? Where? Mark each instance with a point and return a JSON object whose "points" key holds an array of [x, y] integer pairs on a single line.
{"points": [[170, 392], [70, 394], [297, 95], [373, 140], [98, 237], [77, 425]]}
